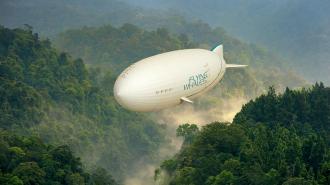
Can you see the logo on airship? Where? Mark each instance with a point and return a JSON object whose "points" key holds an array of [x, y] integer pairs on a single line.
{"points": [[196, 80]]}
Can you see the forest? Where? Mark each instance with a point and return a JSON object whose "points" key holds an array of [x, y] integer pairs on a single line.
{"points": [[274, 139], [52, 96], [28, 160], [60, 123]]}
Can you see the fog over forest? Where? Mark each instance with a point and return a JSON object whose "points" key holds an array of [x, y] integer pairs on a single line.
{"points": [[264, 124]]}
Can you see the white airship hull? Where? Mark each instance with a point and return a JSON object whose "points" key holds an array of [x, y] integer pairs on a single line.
{"points": [[168, 79]]}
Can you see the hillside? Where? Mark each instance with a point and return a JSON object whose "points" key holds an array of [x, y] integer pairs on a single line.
{"points": [[275, 139], [60, 124], [28, 160], [52, 96], [52, 17]]}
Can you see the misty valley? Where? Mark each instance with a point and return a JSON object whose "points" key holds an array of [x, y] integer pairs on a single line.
{"points": [[60, 123]]}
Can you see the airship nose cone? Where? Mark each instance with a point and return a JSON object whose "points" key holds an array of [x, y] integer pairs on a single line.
{"points": [[122, 93], [118, 95], [118, 92]]}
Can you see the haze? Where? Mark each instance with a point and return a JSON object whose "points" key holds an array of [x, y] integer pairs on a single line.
{"points": [[57, 73]]}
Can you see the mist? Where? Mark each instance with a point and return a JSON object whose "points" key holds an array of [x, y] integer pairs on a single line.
{"points": [[187, 113], [296, 34], [144, 171]]}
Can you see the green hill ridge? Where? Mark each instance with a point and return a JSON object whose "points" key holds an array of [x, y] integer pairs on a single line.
{"points": [[275, 139], [52, 96]]}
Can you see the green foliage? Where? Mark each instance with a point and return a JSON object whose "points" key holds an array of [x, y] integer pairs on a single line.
{"points": [[64, 103], [32, 72], [185, 176], [27, 160], [275, 139], [30, 173], [297, 181], [101, 177], [49, 94], [187, 131], [224, 178], [308, 107]]}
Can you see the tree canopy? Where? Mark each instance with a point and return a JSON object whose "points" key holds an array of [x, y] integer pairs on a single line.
{"points": [[275, 139], [49, 94], [27, 160]]}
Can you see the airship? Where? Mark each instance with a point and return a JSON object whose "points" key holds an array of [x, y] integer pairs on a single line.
{"points": [[168, 79]]}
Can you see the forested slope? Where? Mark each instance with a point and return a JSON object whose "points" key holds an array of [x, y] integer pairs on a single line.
{"points": [[275, 139], [116, 48], [52, 17], [28, 160], [52, 96]]}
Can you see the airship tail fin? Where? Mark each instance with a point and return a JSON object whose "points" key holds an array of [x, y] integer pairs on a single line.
{"points": [[218, 50], [235, 66]]}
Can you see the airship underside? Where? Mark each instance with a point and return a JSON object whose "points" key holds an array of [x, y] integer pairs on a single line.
{"points": [[170, 78]]}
